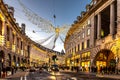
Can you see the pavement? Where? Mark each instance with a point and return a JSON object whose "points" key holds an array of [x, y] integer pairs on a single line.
{"points": [[15, 75]]}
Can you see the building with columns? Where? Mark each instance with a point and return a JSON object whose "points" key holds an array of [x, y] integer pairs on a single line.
{"points": [[41, 56], [14, 43], [16, 48], [94, 38]]}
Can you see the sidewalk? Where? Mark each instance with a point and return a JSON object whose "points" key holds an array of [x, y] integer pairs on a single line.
{"points": [[117, 76], [15, 75], [18, 74]]}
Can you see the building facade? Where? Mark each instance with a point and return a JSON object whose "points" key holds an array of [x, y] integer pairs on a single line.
{"points": [[16, 48], [94, 38], [14, 44]]}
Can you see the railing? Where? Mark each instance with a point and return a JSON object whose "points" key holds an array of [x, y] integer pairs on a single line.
{"points": [[2, 40]]}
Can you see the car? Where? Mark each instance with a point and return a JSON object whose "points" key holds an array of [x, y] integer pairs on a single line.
{"points": [[32, 69]]}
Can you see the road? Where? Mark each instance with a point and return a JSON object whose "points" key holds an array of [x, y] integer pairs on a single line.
{"points": [[61, 75]]}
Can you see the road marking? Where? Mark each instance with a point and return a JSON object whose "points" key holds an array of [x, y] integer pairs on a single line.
{"points": [[25, 78], [21, 78], [74, 78]]}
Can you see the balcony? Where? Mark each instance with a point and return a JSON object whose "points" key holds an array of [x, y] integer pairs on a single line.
{"points": [[104, 40], [2, 40]]}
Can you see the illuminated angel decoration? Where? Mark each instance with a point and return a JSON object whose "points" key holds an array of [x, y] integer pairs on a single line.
{"points": [[45, 26]]}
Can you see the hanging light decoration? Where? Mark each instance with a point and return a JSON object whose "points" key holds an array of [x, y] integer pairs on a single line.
{"points": [[45, 25]]}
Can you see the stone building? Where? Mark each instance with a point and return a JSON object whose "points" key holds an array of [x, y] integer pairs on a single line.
{"points": [[94, 38], [14, 44], [16, 48]]}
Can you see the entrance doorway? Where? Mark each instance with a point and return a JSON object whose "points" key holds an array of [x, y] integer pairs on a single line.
{"points": [[104, 60]]}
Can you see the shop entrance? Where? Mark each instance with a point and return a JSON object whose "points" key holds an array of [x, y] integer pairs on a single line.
{"points": [[105, 60]]}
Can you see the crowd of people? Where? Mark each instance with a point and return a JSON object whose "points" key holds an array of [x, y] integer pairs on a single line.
{"points": [[4, 71]]}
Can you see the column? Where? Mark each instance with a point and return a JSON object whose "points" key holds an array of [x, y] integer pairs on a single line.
{"points": [[3, 32], [3, 28], [112, 19], [118, 17], [99, 26]]}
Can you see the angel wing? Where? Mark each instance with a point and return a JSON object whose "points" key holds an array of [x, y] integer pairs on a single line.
{"points": [[43, 24], [64, 29]]}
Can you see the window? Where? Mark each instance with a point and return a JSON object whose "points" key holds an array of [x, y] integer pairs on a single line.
{"points": [[82, 45], [83, 27], [21, 45], [83, 35], [75, 48], [88, 43], [88, 31], [13, 38], [78, 47], [88, 22], [17, 42], [0, 27]]}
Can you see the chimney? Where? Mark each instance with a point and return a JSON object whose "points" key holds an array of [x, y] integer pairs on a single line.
{"points": [[83, 13], [23, 28], [11, 10], [6, 5]]}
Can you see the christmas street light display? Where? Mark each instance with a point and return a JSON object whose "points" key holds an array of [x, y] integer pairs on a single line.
{"points": [[46, 26]]}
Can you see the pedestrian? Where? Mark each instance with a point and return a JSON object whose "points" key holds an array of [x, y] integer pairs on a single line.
{"points": [[0, 72], [4, 72], [12, 70]]}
